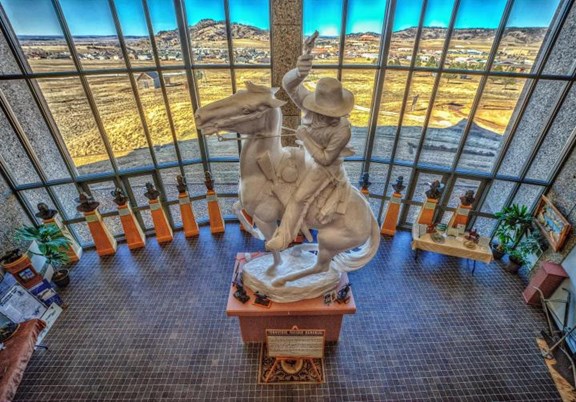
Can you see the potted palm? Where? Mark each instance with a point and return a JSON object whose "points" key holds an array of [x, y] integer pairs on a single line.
{"points": [[518, 256], [52, 245], [513, 222]]}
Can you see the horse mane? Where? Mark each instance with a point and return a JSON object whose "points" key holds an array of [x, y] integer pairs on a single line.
{"points": [[251, 87]]}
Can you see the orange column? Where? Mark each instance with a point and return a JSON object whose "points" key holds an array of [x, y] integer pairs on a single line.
{"points": [[73, 250], [426, 216], [132, 231], [161, 225], [105, 243], [188, 219], [460, 216], [217, 224], [391, 216]]}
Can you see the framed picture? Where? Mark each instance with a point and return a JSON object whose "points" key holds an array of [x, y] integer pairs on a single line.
{"points": [[554, 227]]}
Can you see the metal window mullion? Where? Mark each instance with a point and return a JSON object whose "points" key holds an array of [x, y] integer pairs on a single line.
{"points": [[482, 84], [387, 25], [20, 59], [231, 57], [342, 39], [409, 194], [404, 100], [437, 80], [540, 68], [85, 85], [192, 86], [133, 84], [161, 79]]}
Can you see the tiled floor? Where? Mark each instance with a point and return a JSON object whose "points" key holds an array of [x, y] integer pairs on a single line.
{"points": [[151, 325]]}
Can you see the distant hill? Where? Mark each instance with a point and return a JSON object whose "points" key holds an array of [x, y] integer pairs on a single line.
{"points": [[211, 30], [518, 35]]}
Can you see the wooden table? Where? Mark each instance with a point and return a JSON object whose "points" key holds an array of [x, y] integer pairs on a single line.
{"points": [[452, 246], [305, 314]]}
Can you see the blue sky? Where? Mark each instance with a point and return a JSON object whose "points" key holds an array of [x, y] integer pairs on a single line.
{"points": [[92, 17]]}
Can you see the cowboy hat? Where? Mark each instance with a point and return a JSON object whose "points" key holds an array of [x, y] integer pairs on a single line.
{"points": [[329, 99]]}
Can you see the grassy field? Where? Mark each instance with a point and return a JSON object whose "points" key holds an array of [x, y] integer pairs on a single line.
{"points": [[121, 121]]}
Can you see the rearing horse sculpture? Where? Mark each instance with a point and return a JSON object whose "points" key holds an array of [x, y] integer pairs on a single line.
{"points": [[267, 179]]}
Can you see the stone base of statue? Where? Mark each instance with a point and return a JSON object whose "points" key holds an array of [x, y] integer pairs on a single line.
{"points": [[305, 314], [258, 277]]}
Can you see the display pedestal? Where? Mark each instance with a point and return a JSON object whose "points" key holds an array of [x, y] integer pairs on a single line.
{"points": [[426, 215], [187, 214], [24, 272], [215, 213], [547, 278], [460, 216], [132, 231], [73, 250], [161, 226], [391, 216], [305, 314], [104, 242]]}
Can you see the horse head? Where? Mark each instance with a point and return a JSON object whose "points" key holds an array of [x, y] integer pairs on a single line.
{"points": [[242, 112]]}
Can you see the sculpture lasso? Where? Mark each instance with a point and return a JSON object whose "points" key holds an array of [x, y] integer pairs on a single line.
{"points": [[270, 175]]}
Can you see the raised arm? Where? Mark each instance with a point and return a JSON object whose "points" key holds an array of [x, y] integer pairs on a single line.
{"points": [[293, 79]]}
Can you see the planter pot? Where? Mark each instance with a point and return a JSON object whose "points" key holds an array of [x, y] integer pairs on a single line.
{"points": [[61, 278], [497, 253], [513, 265]]}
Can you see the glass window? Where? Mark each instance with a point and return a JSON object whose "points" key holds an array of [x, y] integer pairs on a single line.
{"points": [[459, 189], [83, 233], [436, 20], [135, 32], [389, 113], [398, 171], [207, 30], [361, 83], [354, 171], [176, 215], [94, 33], [525, 31], [414, 116], [67, 195], [378, 173], [257, 76], [485, 226], [494, 113], [166, 34], [420, 194], [138, 186], [36, 196], [363, 31], [497, 196], [9, 65], [67, 102], [39, 34], [195, 179], [452, 105], [225, 177], [169, 181], [474, 32], [101, 192], [406, 20], [182, 114], [150, 92], [117, 108], [250, 25], [114, 225], [324, 16]]}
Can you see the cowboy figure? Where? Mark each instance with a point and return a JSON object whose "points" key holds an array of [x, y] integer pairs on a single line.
{"points": [[325, 133]]}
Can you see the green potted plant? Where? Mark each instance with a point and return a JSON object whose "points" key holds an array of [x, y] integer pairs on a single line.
{"points": [[529, 245], [52, 245], [513, 222]]}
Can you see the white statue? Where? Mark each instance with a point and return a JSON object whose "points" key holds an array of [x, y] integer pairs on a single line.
{"points": [[304, 187]]}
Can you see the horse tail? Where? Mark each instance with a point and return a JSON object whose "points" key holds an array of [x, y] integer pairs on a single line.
{"points": [[355, 259]]}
